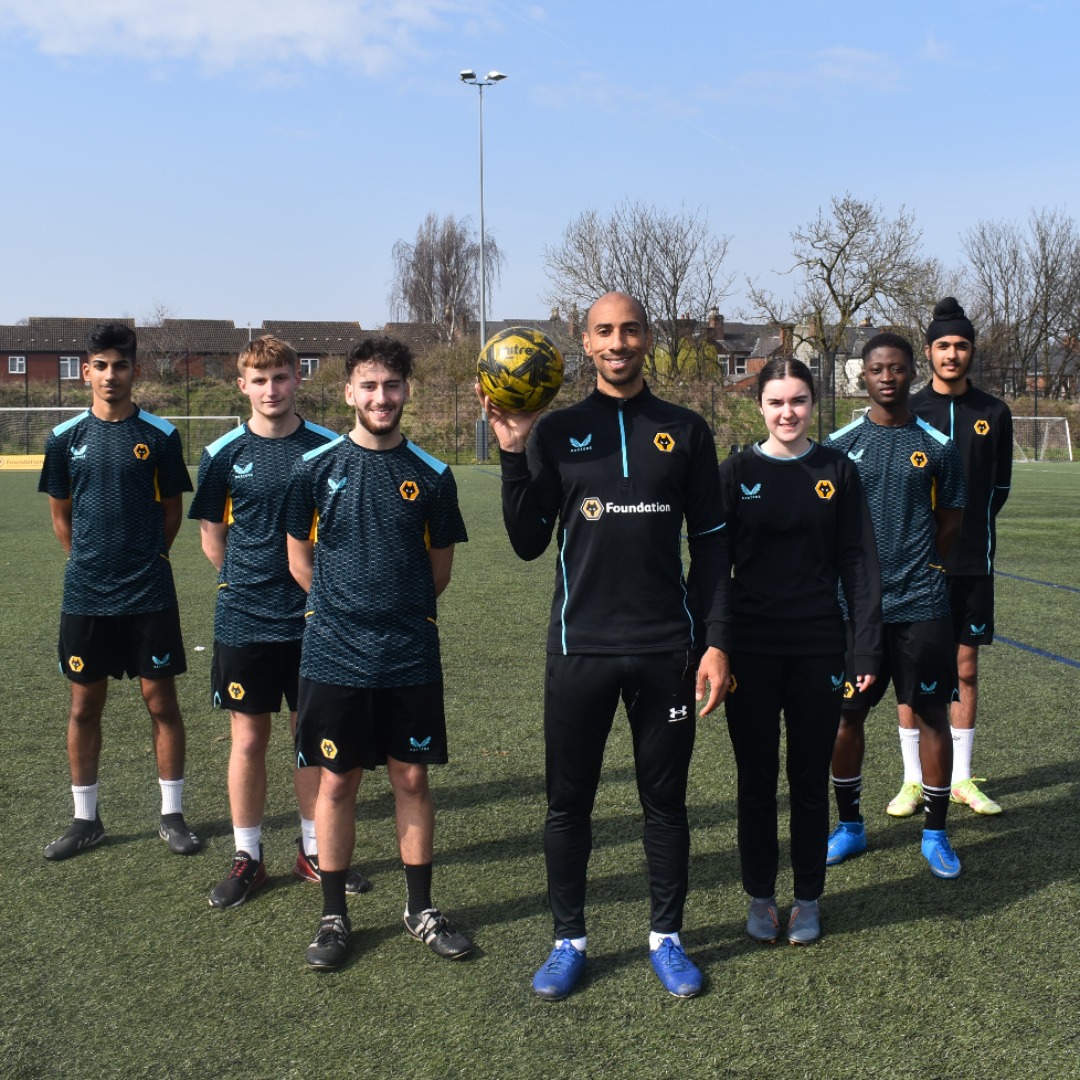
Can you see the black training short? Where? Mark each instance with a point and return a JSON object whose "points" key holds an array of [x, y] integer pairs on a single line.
{"points": [[972, 603], [341, 728], [920, 661], [95, 647], [253, 679]]}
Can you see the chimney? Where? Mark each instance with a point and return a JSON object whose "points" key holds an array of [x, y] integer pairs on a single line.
{"points": [[787, 340]]}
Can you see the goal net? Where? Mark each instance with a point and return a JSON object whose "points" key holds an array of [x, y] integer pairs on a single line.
{"points": [[23, 432], [1041, 438]]}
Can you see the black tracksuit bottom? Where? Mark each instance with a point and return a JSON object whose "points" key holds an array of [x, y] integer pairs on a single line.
{"points": [[808, 691], [581, 696]]}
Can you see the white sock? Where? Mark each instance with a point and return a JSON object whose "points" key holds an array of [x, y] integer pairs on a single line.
{"points": [[962, 739], [307, 831], [171, 793], [655, 939], [577, 942], [249, 840], [85, 801], [909, 751]]}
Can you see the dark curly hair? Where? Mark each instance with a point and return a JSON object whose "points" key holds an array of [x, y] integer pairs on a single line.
{"points": [[396, 355]]}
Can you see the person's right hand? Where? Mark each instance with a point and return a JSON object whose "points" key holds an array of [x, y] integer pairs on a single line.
{"points": [[511, 428]]}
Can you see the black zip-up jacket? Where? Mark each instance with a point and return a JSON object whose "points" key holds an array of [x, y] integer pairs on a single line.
{"points": [[981, 426], [620, 476]]}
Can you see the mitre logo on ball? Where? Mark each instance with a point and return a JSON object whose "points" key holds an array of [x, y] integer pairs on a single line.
{"points": [[520, 369]]}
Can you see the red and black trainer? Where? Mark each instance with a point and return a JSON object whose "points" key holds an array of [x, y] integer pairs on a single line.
{"points": [[306, 868], [245, 876]]}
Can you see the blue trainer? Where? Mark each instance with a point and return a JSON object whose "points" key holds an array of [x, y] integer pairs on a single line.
{"points": [[560, 971], [938, 852], [846, 840], [678, 973]]}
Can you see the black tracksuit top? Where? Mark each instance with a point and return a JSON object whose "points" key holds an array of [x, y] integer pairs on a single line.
{"points": [[799, 527], [620, 476], [981, 426]]}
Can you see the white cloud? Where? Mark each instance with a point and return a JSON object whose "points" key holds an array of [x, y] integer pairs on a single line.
{"points": [[222, 34], [936, 51], [857, 67]]}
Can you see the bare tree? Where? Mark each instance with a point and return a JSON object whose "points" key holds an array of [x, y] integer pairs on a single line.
{"points": [[161, 345], [850, 260], [1026, 298], [437, 277], [672, 262]]}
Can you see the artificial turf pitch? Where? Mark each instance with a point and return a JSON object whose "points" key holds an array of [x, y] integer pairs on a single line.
{"points": [[113, 964]]}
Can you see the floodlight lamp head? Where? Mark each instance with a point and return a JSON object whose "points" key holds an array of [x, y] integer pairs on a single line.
{"points": [[495, 76], [468, 75]]}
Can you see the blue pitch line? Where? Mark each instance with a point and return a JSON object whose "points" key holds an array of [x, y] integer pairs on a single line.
{"points": [[1038, 652], [1036, 581]]}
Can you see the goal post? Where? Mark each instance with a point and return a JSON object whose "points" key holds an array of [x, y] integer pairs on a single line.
{"points": [[1042, 438], [198, 432], [23, 431], [1035, 438]]}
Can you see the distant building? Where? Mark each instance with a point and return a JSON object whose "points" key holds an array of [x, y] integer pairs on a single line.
{"points": [[53, 349]]}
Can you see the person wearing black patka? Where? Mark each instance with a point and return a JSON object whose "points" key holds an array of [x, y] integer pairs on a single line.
{"points": [[617, 477], [799, 525], [981, 426]]}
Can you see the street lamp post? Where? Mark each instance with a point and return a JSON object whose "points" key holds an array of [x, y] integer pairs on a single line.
{"points": [[469, 77]]}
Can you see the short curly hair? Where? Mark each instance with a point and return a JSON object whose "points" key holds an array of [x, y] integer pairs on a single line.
{"points": [[396, 355]]}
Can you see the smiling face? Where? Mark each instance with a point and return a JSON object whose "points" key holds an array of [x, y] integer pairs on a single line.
{"points": [[950, 357], [111, 376], [889, 375], [378, 394], [787, 405], [271, 391], [617, 340]]}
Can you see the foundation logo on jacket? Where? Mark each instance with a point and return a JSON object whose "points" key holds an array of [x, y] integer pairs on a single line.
{"points": [[919, 459], [824, 489], [982, 427], [663, 441]]}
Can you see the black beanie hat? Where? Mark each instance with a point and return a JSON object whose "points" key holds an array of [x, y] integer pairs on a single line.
{"points": [[949, 320]]}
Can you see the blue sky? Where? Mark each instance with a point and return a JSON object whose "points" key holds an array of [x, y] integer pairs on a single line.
{"points": [[257, 159]]}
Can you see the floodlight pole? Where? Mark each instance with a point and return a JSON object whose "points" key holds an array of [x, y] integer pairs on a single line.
{"points": [[469, 78]]}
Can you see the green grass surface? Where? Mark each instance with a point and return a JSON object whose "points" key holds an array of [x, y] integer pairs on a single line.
{"points": [[114, 965]]}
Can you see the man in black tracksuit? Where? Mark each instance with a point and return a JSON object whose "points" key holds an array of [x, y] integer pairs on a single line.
{"points": [[616, 476]]}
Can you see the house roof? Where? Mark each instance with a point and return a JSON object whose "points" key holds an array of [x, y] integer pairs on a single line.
{"points": [[49, 334], [324, 338]]}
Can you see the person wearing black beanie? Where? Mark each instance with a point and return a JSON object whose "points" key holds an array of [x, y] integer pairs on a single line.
{"points": [[981, 426]]}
